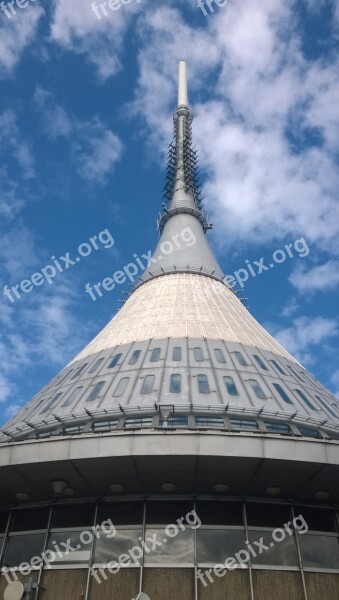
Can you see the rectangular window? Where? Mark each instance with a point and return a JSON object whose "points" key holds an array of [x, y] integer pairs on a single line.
{"points": [[240, 358], [96, 365], [282, 428], [278, 367], [319, 551], [134, 358], [102, 426], [230, 386], [121, 387], [259, 392], [95, 391], [177, 353], [80, 370], [326, 407], [73, 396], [295, 373], [51, 403], [309, 432], [147, 384], [73, 429], [203, 386], [282, 393], [244, 424], [175, 384], [174, 422], [155, 356], [114, 361], [207, 422], [260, 362], [64, 377], [305, 399], [219, 355], [139, 422], [198, 354]]}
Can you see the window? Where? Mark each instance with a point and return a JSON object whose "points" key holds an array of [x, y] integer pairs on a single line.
{"points": [[282, 393], [230, 386], [134, 358], [279, 554], [309, 432], [177, 353], [326, 406], [219, 355], [179, 549], [110, 548], [73, 396], [244, 424], [282, 428], [175, 384], [65, 376], [121, 387], [114, 361], [214, 544], [217, 422], [80, 370], [51, 403], [203, 386], [96, 365], [240, 358], [73, 429], [44, 434], [81, 553], [260, 362], [147, 384], [305, 399], [174, 422], [295, 373], [139, 422], [319, 551], [198, 354], [21, 548], [96, 391], [102, 426], [259, 392], [155, 356], [278, 367]]}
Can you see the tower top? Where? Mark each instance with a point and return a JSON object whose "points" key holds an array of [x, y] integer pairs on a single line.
{"points": [[182, 84]]}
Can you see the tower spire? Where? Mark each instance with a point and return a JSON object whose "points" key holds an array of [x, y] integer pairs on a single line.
{"points": [[182, 84]]}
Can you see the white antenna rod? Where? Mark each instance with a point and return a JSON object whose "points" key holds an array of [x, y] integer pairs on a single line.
{"points": [[182, 84]]}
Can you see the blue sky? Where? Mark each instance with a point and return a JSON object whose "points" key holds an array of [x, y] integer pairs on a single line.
{"points": [[85, 120]]}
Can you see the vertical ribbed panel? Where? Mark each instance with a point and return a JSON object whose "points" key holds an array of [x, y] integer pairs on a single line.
{"points": [[169, 584], [235, 585], [124, 585], [322, 586], [63, 584], [278, 585]]}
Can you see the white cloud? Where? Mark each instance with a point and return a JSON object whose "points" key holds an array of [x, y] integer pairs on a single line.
{"points": [[291, 307], [320, 278], [16, 34], [10, 137]]}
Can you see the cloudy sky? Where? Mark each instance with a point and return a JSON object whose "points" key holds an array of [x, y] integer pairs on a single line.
{"points": [[85, 119]]}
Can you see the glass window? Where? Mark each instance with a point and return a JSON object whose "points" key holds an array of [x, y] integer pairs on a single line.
{"points": [[51, 403], [104, 425], [220, 513], [27, 520], [240, 358], [96, 365], [114, 361], [259, 392], [109, 549], [174, 422], [282, 393], [121, 513], [177, 353], [317, 519], [95, 391], [305, 399], [80, 370], [175, 384], [139, 422], [79, 552], [134, 358], [121, 387], [295, 373], [266, 515], [155, 356], [147, 384], [326, 407], [283, 428], [72, 516], [278, 367], [214, 546], [334, 435], [230, 385], [73, 396], [245, 424], [198, 354], [203, 386], [209, 422], [320, 551], [219, 355], [178, 549], [281, 553], [45, 434], [73, 429], [260, 362], [3, 521], [163, 512], [21, 548], [309, 432], [65, 376]]}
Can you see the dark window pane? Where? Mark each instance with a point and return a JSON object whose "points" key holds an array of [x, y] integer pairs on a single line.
{"points": [[114, 361], [259, 392], [240, 358], [155, 356], [96, 365], [3, 521], [26, 520], [295, 374], [73, 429], [109, 549], [174, 422], [282, 428], [260, 362], [230, 385], [326, 406], [198, 354], [203, 386], [166, 512], [244, 424], [266, 515], [175, 384], [220, 513], [130, 513], [305, 399], [104, 426], [309, 432], [282, 553], [21, 548], [215, 546], [73, 396], [219, 355], [177, 353], [79, 371], [209, 422], [121, 387], [96, 391], [139, 422], [134, 358], [51, 403], [178, 549], [73, 516], [317, 519], [278, 367], [147, 384], [319, 551], [64, 377], [80, 554], [282, 393]]}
